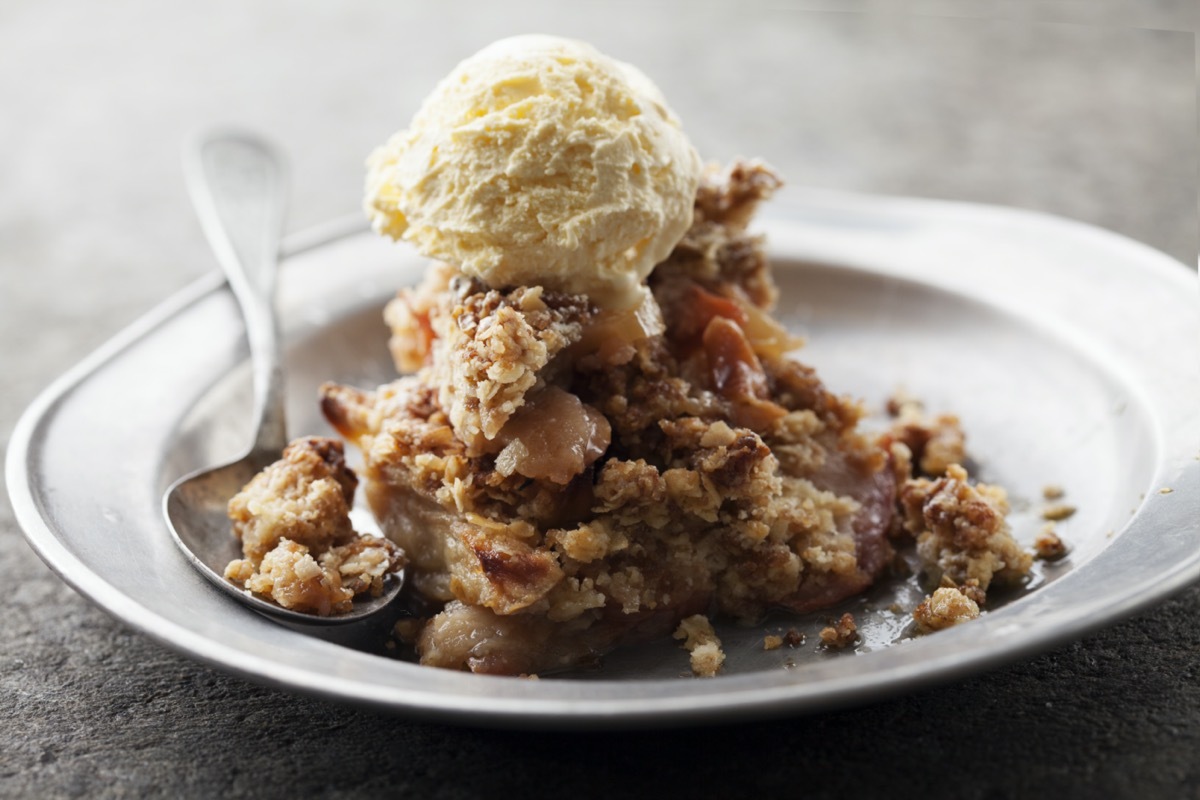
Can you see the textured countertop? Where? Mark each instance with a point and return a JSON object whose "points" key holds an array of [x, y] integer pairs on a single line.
{"points": [[1091, 121]]}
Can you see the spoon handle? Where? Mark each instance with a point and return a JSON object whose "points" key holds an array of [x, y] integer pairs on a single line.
{"points": [[238, 183]]}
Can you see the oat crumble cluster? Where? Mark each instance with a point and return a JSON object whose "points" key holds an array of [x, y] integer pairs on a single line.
{"points": [[946, 607], [960, 528], [299, 547], [842, 633], [563, 478]]}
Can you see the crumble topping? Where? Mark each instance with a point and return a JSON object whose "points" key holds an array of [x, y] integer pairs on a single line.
{"points": [[717, 248], [298, 544], [962, 536], [933, 442], [970, 589], [485, 349]]}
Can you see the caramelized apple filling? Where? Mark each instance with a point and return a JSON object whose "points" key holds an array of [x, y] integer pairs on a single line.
{"points": [[553, 437]]}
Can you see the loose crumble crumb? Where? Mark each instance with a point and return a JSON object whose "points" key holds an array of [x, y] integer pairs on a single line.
{"points": [[1058, 512], [1048, 545], [842, 634], [1053, 491], [771, 642], [946, 608], [701, 641], [961, 530]]}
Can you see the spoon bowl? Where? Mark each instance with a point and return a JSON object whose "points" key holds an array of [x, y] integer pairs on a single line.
{"points": [[237, 182]]}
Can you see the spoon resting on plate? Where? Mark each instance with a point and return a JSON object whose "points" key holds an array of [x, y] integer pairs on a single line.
{"points": [[237, 183]]}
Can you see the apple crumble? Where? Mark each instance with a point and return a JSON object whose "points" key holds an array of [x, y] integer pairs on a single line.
{"points": [[566, 477], [601, 434]]}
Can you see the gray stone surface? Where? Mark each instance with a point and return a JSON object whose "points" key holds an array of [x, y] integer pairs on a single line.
{"points": [[1095, 123]]}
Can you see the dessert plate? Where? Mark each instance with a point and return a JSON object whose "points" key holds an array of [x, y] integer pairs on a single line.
{"points": [[1070, 353]]}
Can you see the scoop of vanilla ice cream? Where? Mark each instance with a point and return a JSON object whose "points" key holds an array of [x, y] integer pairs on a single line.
{"points": [[540, 161]]}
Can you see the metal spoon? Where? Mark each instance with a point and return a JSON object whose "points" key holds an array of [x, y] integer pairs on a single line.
{"points": [[237, 183]]}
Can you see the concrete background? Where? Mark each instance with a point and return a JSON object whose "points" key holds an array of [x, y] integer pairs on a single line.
{"points": [[1082, 109]]}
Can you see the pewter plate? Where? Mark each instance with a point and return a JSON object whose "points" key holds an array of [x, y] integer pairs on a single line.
{"points": [[1070, 353]]}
